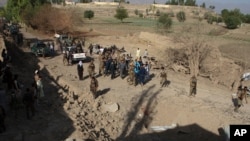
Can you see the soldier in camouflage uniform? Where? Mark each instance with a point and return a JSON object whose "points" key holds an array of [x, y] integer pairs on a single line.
{"points": [[101, 64], [163, 76], [241, 94], [193, 85], [91, 68], [131, 73], [94, 87]]}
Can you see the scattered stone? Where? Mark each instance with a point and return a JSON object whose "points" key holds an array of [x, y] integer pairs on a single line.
{"points": [[110, 107]]}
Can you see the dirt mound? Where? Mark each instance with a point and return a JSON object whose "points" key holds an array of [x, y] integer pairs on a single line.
{"points": [[218, 68]]}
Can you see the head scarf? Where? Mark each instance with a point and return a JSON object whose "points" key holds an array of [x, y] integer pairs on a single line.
{"points": [[80, 63]]}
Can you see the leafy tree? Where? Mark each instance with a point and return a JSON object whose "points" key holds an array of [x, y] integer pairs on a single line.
{"points": [[224, 13], [89, 14], [181, 16], [121, 13], [212, 7], [247, 16], [172, 2], [190, 2], [1, 11], [203, 5], [165, 21], [15, 8], [232, 22]]}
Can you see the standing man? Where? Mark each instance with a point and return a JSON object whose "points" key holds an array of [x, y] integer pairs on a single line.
{"points": [[80, 70], [91, 68], [94, 86], [242, 94], [193, 85], [145, 54], [28, 100], [122, 67], [142, 74], [138, 53], [112, 69], [163, 76], [91, 49]]}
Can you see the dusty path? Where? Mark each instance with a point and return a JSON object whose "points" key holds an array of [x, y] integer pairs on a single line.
{"points": [[199, 117]]}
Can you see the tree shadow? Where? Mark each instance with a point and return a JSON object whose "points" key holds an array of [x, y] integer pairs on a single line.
{"points": [[148, 97], [134, 124], [50, 122]]}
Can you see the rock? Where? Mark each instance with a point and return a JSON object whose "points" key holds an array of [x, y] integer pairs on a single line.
{"points": [[110, 107]]}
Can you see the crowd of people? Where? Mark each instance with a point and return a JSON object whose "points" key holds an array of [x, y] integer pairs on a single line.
{"points": [[17, 95], [113, 63]]}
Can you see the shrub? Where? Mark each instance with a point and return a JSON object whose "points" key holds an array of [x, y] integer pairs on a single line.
{"points": [[165, 21], [136, 12], [140, 15], [181, 16], [89, 14], [232, 22]]}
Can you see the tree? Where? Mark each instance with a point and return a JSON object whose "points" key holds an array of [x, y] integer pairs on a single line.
{"points": [[165, 21], [89, 14], [14, 8], [196, 48], [247, 16], [121, 13], [190, 2], [224, 13], [181, 16], [232, 22], [212, 7], [203, 5]]}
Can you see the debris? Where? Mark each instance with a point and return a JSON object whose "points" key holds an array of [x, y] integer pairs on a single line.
{"points": [[163, 128]]}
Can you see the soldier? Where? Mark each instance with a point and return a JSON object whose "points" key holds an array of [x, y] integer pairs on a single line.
{"points": [[241, 94], [91, 68], [101, 63], [112, 68], [80, 70], [91, 49], [94, 87], [193, 85], [163, 76], [131, 73]]}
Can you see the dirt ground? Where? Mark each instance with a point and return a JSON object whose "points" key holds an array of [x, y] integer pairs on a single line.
{"points": [[69, 111]]}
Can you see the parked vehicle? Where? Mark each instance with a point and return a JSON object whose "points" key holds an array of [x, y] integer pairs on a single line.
{"points": [[77, 53], [40, 49]]}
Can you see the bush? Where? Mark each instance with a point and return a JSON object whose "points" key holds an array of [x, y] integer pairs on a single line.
{"points": [[207, 15], [89, 14], [232, 22], [165, 21], [181, 16], [140, 15], [136, 12]]}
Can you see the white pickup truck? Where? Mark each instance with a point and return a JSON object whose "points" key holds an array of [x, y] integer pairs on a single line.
{"points": [[77, 53]]}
